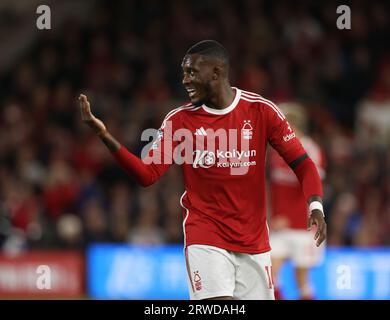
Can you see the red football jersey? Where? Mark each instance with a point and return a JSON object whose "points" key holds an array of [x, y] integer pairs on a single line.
{"points": [[224, 200], [287, 199]]}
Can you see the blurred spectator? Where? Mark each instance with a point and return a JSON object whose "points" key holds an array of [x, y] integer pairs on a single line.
{"points": [[146, 230], [373, 116], [121, 211], [70, 232], [95, 222], [60, 189]]}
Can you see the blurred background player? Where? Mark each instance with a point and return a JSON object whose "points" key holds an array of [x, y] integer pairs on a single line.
{"points": [[289, 237]]}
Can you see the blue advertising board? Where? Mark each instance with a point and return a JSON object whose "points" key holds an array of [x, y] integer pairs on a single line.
{"points": [[136, 272], [158, 272], [346, 273]]}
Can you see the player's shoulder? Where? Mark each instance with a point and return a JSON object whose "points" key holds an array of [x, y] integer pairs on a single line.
{"points": [[183, 109], [254, 98], [262, 104], [176, 114]]}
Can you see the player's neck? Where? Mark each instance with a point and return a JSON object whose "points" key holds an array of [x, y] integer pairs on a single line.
{"points": [[223, 98]]}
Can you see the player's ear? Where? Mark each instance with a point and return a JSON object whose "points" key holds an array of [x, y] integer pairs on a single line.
{"points": [[217, 72]]}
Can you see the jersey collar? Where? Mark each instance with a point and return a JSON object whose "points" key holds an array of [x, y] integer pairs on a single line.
{"points": [[227, 109]]}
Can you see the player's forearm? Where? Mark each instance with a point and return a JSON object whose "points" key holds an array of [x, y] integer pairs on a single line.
{"points": [[310, 180], [144, 174], [135, 167], [112, 144]]}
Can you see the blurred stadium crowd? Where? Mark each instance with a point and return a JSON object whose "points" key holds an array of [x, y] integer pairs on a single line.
{"points": [[59, 186]]}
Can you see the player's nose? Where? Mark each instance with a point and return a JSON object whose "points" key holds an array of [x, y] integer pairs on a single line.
{"points": [[185, 80]]}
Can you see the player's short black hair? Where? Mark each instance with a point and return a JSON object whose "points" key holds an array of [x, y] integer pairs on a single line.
{"points": [[210, 48]]}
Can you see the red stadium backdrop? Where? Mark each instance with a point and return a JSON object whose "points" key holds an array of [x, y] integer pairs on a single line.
{"points": [[61, 273]]}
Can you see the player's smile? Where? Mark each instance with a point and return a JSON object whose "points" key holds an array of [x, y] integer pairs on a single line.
{"points": [[191, 92], [194, 92]]}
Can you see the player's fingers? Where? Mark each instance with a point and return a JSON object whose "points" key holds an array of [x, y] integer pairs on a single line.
{"points": [[309, 223], [83, 99], [81, 106], [322, 234], [85, 109], [85, 106], [318, 232], [320, 239]]}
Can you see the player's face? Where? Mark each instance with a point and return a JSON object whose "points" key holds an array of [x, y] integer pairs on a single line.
{"points": [[197, 78]]}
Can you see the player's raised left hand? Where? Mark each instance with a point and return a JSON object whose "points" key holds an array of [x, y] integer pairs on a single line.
{"points": [[317, 218], [87, 116]]}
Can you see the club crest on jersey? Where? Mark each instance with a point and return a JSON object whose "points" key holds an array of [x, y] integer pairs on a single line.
{"points": [[247, 130]]}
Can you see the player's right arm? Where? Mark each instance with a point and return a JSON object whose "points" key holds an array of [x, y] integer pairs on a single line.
{"points": [[145, 174]]}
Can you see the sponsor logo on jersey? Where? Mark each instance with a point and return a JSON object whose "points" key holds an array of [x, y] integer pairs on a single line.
{"points": [[203, 159], [206, 159], [288, 137]]}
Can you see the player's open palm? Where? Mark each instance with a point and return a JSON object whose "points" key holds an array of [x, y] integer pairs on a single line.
{"points": [[87, 116]]}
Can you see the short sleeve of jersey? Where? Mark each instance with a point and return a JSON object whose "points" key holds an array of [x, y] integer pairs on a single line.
{"points": [[280, 134]]}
